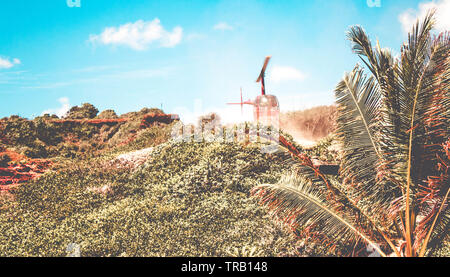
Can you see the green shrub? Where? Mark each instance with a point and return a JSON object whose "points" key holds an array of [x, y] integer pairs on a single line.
{"points": [[189, 199], [86, 111], [108, 114]]}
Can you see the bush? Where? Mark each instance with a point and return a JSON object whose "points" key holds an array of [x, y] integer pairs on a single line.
{"points": [[108, 114], [18, 131], [86, 111], [37, 150], [189, 199]]}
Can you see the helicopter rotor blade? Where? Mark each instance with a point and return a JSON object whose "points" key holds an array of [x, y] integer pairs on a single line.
{"points": [[242, 104], [263, 71]]}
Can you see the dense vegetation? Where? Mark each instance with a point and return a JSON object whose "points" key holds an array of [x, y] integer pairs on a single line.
{"points": [[188, 199]]}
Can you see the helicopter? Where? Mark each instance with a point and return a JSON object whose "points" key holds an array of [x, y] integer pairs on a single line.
{"points": [[266, 108]]}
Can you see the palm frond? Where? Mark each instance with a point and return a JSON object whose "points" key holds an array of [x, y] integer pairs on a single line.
{"points": [[303, 205], [336, 192], [435, 198], [433, 107], [416, 74], [440, 234], [377, 60], [384, 68], [359, 103], [358, 99]]}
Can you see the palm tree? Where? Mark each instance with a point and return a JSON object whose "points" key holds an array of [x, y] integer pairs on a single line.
{"points": [[393, 124]]}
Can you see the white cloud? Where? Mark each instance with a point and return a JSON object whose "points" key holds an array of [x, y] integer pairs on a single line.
{"points": [[61, 111], [409, 17], [139, 35], [223, 26], [6, 63], [286, 73]]}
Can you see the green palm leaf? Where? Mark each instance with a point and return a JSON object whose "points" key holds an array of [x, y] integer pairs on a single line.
{"points": [[359, 103], [303, 204]]}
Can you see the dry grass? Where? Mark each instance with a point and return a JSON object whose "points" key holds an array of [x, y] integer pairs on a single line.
{"points": [[311, 124]]}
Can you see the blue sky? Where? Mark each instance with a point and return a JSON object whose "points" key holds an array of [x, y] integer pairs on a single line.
{"points": [[189, 56]]}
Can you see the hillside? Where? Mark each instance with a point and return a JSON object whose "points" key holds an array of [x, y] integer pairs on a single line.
{"points": [[179, 203], [310, 125], [29, 147], [116, 187], [80, 133]]}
